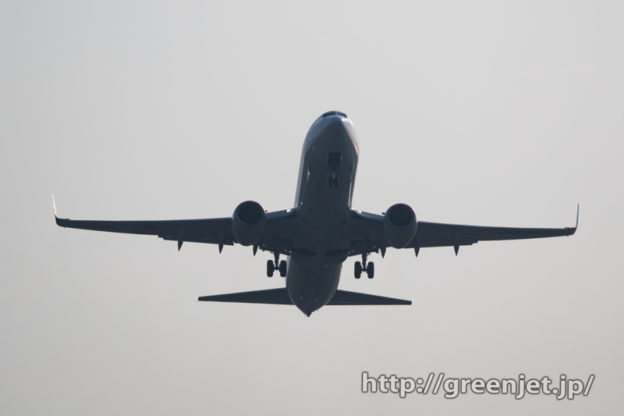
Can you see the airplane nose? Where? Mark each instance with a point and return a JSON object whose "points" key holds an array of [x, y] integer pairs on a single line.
{"points": [[333, 119], [334, 126], [334, 113]]}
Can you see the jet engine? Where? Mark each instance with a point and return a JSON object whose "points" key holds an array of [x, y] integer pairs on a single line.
{"points": [[248, 222], [400, 225]]}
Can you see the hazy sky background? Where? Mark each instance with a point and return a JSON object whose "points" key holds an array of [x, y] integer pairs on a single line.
{"points": [[490, 113]]}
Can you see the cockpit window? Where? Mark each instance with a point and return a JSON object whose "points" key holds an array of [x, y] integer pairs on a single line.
{"points": [[334, 113]]}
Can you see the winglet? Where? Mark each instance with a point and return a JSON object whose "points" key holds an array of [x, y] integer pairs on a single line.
{"points": [[59, 221], [573, 229], [54, 206]]}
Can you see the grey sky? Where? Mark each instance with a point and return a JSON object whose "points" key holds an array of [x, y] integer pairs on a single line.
{"points": [[472, 112]]}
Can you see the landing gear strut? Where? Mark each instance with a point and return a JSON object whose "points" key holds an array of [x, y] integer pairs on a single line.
{"points": [[276, 265], [368, 268]]}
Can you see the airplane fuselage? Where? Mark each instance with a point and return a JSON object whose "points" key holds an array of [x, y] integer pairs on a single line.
{"points": [[323, 202]]}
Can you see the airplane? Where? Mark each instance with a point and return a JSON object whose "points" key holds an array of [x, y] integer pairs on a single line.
{"points": [[321, 231]]}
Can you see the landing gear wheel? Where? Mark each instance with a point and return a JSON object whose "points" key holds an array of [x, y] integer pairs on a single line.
{"points": [[370, 269], [270, 268], [282, 268], [357, 269]]}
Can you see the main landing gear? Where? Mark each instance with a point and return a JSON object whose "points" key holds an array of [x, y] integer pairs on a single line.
{"points": [[276, 265], [368, 268]]}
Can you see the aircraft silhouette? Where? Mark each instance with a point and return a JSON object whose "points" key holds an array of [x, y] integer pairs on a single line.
{"points": [[321, 231]]}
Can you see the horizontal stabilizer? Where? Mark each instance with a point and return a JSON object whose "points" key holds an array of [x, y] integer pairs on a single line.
{"points": [[271, 296], [280, 297], [343, 297]]}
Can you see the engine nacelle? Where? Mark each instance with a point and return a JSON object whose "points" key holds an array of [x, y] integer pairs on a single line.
{"points": [[400, 225], [248, 222]]}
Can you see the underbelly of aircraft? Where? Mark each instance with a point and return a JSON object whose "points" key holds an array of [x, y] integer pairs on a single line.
{"points": [[312, 281], [323, 205]]}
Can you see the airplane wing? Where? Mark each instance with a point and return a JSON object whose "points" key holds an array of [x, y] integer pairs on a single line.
{"points": [[277, 234], [369, 234], [432, 234], [212, 230]]}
